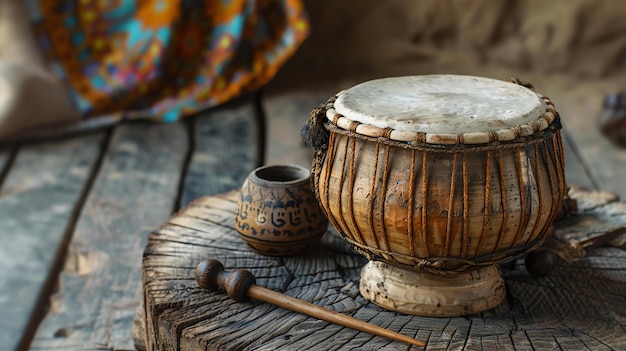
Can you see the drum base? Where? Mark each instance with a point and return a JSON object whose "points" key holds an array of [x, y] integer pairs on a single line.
{"points": [[427, 294]]}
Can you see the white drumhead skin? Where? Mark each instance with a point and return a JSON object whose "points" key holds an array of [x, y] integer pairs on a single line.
{"points": [[440, 104]]}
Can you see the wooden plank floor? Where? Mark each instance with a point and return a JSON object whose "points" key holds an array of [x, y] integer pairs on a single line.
{"points": [[226, 143], [76, 212], [38, 201], [135, 189]]}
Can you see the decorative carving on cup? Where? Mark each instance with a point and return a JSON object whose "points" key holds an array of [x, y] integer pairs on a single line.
{"points": [[277, 213]]}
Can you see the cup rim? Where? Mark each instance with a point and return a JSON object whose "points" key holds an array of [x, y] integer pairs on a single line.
{"points": [[300, 175]]}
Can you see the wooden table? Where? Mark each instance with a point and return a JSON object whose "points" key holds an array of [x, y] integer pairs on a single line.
{"points": [[76, 212], [580, 306]]}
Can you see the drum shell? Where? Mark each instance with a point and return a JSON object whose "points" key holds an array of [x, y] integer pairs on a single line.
{"points": [[444, 208]]}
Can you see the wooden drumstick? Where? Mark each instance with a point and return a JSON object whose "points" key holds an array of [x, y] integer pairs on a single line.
{"points": [[240, 285]]}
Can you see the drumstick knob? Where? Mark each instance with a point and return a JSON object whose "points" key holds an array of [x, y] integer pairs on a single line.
{"points": [[211, 276]]}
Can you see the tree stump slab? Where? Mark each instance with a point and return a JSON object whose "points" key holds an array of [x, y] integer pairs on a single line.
{"points": [[581, 305]]}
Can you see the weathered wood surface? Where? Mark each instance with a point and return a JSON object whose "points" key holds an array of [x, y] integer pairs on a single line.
{"points": [[580, 306], [576, 170], [99, 288], [579, 105], [77, 212], [38, 202], [6, 156], [227, 145], [598, 210]]}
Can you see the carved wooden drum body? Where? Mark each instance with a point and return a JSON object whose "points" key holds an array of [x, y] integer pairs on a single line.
{"points": [[435, 179]]}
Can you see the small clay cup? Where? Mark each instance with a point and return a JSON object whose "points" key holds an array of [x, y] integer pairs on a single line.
{"points": [[277, 213]]}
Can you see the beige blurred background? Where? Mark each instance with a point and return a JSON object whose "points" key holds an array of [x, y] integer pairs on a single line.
{"points": [[584, 38]]}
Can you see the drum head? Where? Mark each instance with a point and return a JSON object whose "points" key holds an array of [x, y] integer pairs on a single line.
{"points": [[444, 105]]}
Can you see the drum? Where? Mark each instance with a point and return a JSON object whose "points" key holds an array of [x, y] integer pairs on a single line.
{"points": [[436, 179]]}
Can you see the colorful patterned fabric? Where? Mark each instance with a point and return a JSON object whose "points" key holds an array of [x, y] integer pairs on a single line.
{"points": [[164, 59]]}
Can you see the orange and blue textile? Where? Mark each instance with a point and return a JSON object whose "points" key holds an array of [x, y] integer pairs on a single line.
{"points": [[164, 59]]}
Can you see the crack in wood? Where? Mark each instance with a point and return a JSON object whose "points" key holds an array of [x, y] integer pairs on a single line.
{"points": [[7, 158]]}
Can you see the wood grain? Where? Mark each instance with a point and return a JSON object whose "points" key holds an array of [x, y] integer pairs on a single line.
{"points": [[7, 155], [38, 201], [580, 306], [577, 172], [226, 148], [132, 195], [580, 106]]}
